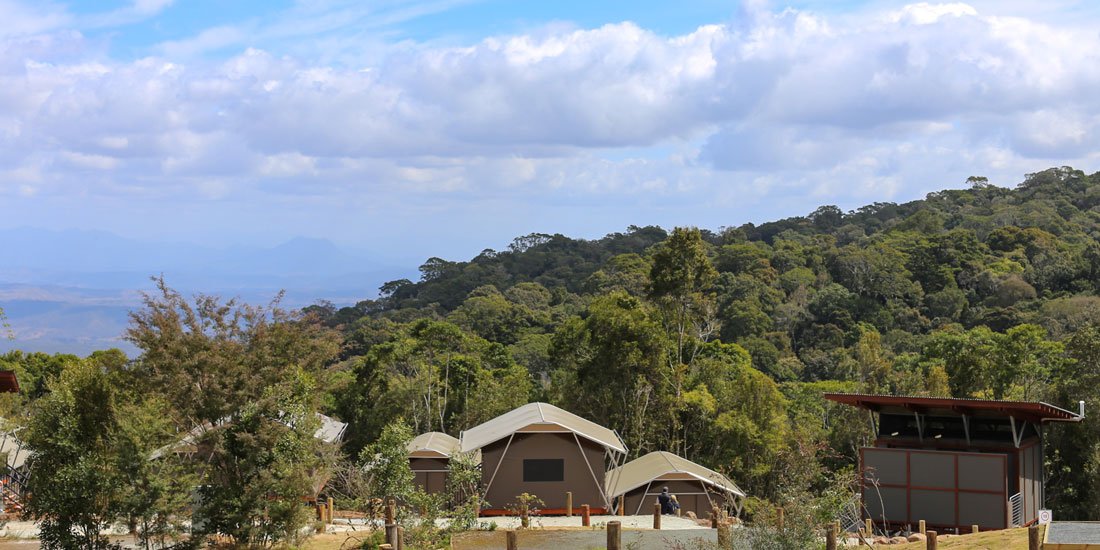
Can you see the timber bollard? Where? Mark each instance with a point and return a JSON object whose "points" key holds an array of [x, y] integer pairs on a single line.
{"points": [[586, 515], [974, 529], [510, 539], [391, 512], [1033, 538], [779, 518], [931, 540], [830, 537], [331, 509], [568, 504], [614, 535], [922, 530], [391, 535], [622, 505], [400, 538], [870, 525], [724, 535], [656, 515]]}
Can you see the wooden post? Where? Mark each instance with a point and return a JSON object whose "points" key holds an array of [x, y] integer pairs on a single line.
{"points": [[779, 518], [830, 537], [614, 535], [723, 535], [391, 534], [931, 541], [586, 515], [386, 547], [331, 508], [870, 527], [569, 504], [974, 529], [622, 505], [1033, 538], [400, 538], [656, 515], [391, 512], [922, 530], [510, 540]]}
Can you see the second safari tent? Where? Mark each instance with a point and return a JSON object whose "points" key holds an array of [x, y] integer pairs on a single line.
{"points": [[697, 488]]}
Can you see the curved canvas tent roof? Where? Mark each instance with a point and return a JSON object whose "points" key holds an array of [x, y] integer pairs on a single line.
{"points": [[11, 444], [433, 444], [652, 466], [532, 417]]}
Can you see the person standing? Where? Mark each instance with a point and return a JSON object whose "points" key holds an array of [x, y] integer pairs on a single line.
{"points": [[665, 499]]}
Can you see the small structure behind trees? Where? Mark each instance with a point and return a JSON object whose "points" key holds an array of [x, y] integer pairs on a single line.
{"points": [[429, 456]]}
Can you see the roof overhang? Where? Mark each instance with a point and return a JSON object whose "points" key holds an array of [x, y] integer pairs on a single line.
{"points": [[1032, 411]]}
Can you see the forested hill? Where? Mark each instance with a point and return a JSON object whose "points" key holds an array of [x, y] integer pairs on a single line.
{"points": [[716, 344]]}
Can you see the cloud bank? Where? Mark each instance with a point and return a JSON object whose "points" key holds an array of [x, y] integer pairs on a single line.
{"points": [[774, 103]]}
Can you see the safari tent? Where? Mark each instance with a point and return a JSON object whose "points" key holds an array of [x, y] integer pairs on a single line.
{"points": [[697, 488], [429, 457], [544, 451]]}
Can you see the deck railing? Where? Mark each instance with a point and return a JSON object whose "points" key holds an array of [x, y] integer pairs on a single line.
{"points": [[1016, 507]]}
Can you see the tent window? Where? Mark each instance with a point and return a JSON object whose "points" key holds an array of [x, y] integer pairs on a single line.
{"points": [[543, 469]]}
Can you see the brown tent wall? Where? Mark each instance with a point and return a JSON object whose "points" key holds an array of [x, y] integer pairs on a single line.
{"points": [[430, 474], [583, 472], [692, 495]]}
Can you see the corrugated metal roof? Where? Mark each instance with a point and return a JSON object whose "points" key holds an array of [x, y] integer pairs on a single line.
{"points": [[953, 406], [538, 413], [437, 442], [640, 471], [11, 444]]}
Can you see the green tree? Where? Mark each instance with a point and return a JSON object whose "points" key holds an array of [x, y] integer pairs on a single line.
{"points": [[387, 463], [76, 474], [264, 459]]}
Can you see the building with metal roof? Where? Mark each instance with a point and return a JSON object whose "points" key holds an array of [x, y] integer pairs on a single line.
{"points": [[954, 462], [545, 451], [697, 488]]}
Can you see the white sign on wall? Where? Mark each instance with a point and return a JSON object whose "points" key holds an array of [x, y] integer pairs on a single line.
{"points": [[1045, 517]]}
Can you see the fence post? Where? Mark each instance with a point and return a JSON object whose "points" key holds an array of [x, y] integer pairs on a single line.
{"points": [[391, 535], [779, 517], [331, 509], [870, 525], [931, 540], [614, 535], [569, 504], [974, 529], [510, 540], [922, 530], [586, 515], [656, 515], [391, 512], [622, 505], [830, 537], [1033, 538], [400, 538]]}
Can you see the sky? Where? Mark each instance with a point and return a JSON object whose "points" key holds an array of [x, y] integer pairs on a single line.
{"points": [[409, 129]]}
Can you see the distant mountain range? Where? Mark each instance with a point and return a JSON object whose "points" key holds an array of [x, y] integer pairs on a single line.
{"points": [[71, 290]]}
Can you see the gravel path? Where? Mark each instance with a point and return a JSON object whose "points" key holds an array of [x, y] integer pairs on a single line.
{"points": [[1071, 532]]}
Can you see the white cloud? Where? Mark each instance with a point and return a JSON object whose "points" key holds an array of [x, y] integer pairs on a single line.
{"points": [[868, 106]]}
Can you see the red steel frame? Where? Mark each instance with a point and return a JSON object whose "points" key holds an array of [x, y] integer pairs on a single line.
{"points": [[909, 487]]}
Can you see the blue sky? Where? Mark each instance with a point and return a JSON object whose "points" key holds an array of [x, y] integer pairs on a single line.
{"points": [[420, 128]]}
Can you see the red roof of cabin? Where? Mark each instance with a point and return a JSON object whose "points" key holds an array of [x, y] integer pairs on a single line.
{"points": [[8, 382], [1034, 411]]}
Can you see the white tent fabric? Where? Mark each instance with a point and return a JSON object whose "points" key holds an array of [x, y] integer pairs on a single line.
{"points": [[652, 466], [434, 442], [538, 414]]}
